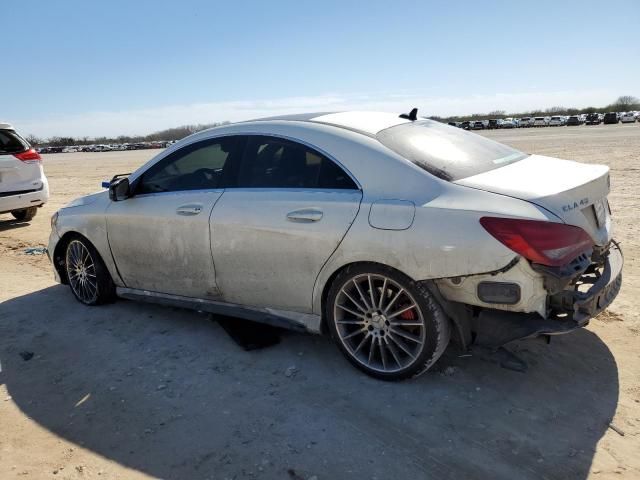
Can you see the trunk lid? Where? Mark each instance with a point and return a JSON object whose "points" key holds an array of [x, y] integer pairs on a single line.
{"points": [[574, 192]]}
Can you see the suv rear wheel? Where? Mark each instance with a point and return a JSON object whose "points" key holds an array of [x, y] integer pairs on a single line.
{"points": [[25, 214]]}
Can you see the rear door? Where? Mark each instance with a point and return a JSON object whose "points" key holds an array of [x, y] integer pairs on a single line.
{"points": [[17, 175], [272, 233], [160, 237]]}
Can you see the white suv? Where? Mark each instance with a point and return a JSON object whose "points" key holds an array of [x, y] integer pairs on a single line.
{"points": [[23, 186], [628, 117]]}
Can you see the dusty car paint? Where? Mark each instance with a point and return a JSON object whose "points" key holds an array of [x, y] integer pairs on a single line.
{"points": [[277, 250]]}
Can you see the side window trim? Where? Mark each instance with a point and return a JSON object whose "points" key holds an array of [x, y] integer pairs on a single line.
{"points": [[186, 149], [303, 143]]}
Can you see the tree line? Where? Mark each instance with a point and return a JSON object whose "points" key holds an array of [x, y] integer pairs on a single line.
{"points": [[624, 103], [176, 133]]}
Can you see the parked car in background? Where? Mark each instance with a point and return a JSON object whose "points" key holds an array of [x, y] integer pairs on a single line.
{"points": [[509, 123], [478, 125], [525, 122], [540, 122], [556, 121], [23, 185], [466, 125], [628, 117], [391, 233], [593, 119], [575, 120], [453, 124], [495, 123], [610, 117], [50, 150]]}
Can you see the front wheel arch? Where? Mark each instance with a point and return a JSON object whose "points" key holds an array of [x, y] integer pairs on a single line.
{"points": [[104, 287], [58, 257]]}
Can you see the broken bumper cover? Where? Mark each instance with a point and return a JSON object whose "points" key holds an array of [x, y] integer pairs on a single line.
{"points": [[603, 291], [494, 328]]}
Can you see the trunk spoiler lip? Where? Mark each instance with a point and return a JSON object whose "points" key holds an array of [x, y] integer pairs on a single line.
{"points": [[556, 218]]}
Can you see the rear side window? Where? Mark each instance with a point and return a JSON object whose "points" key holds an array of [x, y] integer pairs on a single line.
{"points": [[271, 162], [11, 142], [200, 166], [446, 152]]}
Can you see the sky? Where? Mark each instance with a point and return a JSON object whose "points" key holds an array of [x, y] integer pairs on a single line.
{"points": [[86, 68]]}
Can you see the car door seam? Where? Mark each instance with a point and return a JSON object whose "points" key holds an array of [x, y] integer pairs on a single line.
{"points": [[213, 258], [315, 282]]}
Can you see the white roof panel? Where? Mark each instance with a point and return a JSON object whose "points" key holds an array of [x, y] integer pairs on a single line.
{"points": [[368, 122]]}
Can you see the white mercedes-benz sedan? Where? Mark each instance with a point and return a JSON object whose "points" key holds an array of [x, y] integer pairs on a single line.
{"points": [[391, 233]]}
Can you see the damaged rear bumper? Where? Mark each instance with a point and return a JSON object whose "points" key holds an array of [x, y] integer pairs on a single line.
{"points": [[604, 289], [585, 294]]}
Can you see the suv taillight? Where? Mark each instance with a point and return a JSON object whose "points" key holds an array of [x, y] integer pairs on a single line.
{"points": [[30, 156], [548, 243]]}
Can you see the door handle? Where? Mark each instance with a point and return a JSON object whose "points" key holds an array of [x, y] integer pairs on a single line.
{"points": [[306, 215], [189, 210]]}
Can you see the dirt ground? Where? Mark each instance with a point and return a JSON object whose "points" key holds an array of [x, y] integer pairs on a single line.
{"points": [[130, 390]]}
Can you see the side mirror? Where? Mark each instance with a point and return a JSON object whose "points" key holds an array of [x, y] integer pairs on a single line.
{"points": [[119, 190]]}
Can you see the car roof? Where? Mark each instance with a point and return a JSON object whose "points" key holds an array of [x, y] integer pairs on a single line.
{"points": [[365, 122], [6, 126]]}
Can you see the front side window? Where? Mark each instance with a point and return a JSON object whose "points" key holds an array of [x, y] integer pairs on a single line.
{"points": [[199, 166], [446, 152], [271, 162]]}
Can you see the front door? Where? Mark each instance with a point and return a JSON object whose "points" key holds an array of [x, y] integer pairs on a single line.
{"points": [[160, 237], [274, 231]]}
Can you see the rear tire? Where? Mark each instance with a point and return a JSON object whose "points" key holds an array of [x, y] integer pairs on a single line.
{"points": [[89, 279], [25, 214], [384, 323]]}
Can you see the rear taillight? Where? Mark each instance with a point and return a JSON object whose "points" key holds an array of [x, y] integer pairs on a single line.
{"points": [[30, 156], [548, 243]]}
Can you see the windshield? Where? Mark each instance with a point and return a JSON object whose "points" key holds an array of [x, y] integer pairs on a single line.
{"points": [[447, 152]]}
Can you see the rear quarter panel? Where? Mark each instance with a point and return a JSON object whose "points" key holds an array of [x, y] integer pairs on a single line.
{"points": [[445, 239]]}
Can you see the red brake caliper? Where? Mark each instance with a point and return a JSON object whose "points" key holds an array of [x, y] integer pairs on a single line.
{"points": [[408, 315]]}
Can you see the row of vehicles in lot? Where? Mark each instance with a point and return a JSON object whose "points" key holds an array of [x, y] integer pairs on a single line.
{"points": [[113, 147], [549, 121]]}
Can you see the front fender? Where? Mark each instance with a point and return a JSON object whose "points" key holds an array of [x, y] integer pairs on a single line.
{"points": [[88, 220]]}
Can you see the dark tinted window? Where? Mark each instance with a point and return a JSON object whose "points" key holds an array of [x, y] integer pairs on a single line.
{"points": [[11, 142], [271, 162], [200, 166], [446, 152]]}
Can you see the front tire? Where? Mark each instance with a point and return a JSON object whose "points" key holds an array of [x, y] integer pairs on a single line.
{"points": [[25, 214], [384, 323], [88, 276]]}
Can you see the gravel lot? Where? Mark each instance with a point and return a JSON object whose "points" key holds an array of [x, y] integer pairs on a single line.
{"points": [[141, 391]]}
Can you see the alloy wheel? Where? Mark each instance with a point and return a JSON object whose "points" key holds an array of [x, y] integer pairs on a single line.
{"points": [[81, 270], [379, 323]]}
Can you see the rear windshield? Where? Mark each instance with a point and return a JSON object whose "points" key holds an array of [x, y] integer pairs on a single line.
{"points": [[11, 142], [447, 152]]}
